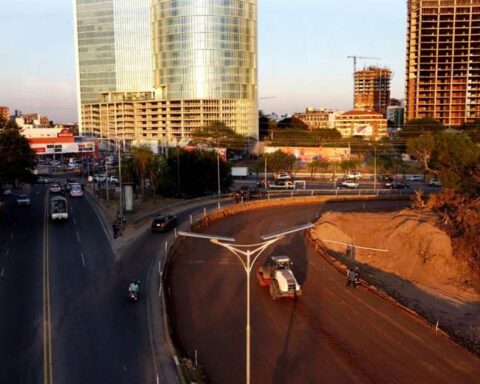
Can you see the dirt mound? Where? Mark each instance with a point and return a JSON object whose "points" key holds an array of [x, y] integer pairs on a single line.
{"points": [[407, 256]]}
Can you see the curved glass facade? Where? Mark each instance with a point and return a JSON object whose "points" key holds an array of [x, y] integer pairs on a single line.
{"points": [[205, 49]]}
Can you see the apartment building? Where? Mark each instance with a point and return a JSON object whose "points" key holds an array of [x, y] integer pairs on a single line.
{"points": [[443, 61], [367, 124], [372, 89], [318, 118]]}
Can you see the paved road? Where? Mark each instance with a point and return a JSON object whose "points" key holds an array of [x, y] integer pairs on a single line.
{"points": [[97, 336], [329, 335]]}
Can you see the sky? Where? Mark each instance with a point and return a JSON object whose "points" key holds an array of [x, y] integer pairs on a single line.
{"points": [[302, 53]]}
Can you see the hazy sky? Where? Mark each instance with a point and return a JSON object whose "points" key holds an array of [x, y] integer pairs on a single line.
{"points": [[303, 48]]}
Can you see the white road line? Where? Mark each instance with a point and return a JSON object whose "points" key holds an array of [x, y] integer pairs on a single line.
{"points": [[3, 272], [83, 259], [78, 236]]}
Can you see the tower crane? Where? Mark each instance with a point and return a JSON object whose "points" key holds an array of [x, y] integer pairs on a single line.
{"points": [[355, 58]]}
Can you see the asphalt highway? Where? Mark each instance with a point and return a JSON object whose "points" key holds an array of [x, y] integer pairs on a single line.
{"points": [[331, 334], [64, 313]]}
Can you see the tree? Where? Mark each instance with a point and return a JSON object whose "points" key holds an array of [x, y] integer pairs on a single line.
{"points": [[349, 165], [218, 134], [142, 158], [292, 123], [265, 126], [17, 159], [279, 161], [422, 149], [416, 127], [316, 165]]}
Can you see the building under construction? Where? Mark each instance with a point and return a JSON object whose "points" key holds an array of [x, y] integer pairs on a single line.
{"points": [[443, 61], [372, 89]]}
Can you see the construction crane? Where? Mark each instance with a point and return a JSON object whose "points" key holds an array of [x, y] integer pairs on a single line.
{"points": [[355, 58]]}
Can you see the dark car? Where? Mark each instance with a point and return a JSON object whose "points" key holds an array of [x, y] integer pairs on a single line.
{"points": [[385, 178], [163, 223], [397, 185]]}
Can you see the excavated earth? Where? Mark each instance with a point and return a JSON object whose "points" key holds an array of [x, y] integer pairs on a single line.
{"points": [[407, 256]]}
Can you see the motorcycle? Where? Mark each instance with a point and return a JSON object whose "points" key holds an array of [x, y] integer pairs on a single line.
{"points": [[133, 291]]}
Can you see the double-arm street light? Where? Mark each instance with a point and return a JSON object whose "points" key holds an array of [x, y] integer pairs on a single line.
{"points": [[248, 255]]}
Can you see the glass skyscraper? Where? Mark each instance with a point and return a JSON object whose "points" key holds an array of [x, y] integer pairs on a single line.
{"points": [[114, 50], [195, 61]]}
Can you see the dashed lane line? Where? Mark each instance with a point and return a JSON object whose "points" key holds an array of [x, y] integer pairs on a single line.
{"points": [[83, 259]]}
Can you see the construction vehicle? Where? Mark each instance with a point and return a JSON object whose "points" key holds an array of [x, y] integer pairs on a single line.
{"points": [[277, 275]]}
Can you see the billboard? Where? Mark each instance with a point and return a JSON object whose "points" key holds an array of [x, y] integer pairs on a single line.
{"points": [[309, 154], [362, 130]]}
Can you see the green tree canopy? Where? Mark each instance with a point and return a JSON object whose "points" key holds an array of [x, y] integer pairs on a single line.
{"points": [[218, 134], [279, 161], [416, 127], [17, 159], [451, 156]]}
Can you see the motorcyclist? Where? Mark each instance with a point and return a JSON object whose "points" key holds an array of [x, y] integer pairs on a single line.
{"points": [[134, 287]]}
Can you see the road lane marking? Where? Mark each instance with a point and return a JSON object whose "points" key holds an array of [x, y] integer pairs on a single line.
{"points": [[47, 322], [83, 259], [78, 236], [3, 272]]}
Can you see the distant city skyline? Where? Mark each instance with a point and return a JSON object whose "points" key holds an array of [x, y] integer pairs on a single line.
{"points": [[303, 49]]}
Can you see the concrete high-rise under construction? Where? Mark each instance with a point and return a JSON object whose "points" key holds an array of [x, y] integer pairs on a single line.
{"points": [[372, 89], [443, 61], [160, 69]]}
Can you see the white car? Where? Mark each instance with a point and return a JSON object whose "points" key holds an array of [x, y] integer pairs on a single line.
{"points": [[354, 175], [414, 178], [283, 176], [434, 183], [349, 184], [55, 188], [23, 200], [76, 191]]}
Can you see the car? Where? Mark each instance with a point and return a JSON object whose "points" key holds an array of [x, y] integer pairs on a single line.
{"points": [[76, 190], [349, 184], [283, 176], [434, 183], [414, 177], [385, 178], [397, 185], [113, 179], [23, 199], [164, 223], [354, 175], [7, 191], [55, 188], [100, 177], [44, 180]]}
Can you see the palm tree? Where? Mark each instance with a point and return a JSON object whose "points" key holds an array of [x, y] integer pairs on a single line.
{"points": [[142, 158]]}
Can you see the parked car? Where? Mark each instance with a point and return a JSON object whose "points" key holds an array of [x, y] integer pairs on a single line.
{"points": [[44, 180], [434, 183], [397, 185], [163, 223], [349, 184], [23, 199], [354, 175], [113, 179]]}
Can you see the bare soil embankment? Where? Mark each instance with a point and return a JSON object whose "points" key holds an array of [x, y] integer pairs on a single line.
{"points": [[418, 268]]}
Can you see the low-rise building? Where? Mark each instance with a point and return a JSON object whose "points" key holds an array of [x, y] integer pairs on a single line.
{"points": [[318, 118], [366, 124], [5, 112]]}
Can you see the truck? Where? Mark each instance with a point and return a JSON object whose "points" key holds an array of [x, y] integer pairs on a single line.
{"points": [[276, 274], [240, 172], [58, 208]]}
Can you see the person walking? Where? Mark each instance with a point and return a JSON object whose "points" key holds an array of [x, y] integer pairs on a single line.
{"points": [[116, 229]]}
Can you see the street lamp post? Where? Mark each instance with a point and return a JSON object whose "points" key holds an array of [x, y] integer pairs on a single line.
{"points": [[375, 168], [218, 174], [251, 252]]}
